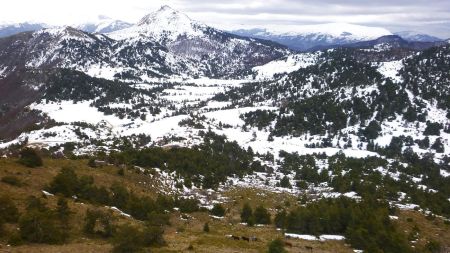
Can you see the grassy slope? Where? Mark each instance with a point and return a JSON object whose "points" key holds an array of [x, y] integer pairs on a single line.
{"points": [[181, 233]]}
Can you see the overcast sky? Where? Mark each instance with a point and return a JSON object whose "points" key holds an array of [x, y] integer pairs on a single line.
{"points": [[428, 16]]}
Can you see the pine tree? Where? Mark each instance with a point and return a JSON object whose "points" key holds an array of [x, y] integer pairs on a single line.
{"points": [[128, 239], [206, 228], [91, 163], [262, 216], [218, 210], [39, 224], [30, 158], [285, 183], [246, 213], [63, 211], [8, 210], [281, 219], [66, 182], [276, 246]]}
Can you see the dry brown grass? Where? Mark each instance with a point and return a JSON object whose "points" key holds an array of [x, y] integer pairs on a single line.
{"points": [[216, 240], [85, 247], [182, 233], [430, 229]]}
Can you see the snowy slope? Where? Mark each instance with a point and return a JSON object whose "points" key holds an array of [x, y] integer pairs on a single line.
{"points": [[391, 70], [288, 64]]}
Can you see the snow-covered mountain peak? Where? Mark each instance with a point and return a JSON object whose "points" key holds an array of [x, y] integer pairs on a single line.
{"points": [[164, 15], [165, 24], [103, 24]]}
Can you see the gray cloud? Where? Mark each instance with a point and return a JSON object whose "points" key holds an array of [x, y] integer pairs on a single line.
{"points": [[430, 16]]}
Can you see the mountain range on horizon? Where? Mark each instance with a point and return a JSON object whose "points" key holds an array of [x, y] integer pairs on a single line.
{"points": [[296, 37]]}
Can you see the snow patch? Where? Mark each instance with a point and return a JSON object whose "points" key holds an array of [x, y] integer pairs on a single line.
{"points": [[391, 70], [314, 238], [285, 65]]}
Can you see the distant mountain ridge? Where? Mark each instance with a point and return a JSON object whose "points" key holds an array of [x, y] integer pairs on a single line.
{"points": [[397, 41], [385, 43], [15, 28], [313, 37], [308, 36], [420, 37]]}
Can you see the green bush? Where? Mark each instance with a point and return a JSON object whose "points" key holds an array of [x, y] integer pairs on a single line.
{"points": [[432, 128], [63, 211], [15, 239], [246, 213], [285, 183], [39, 224], [438, 146], [218, 210], [120, 195], [206, 228], [258, 118], [373, 130], [262, 216], [128, 239], [187, 205], [98, 222], [91, 163], [30, 158], [153, 236], [281, 219], [66, 182], [276, 246], [8, 210], [158, 219]]}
